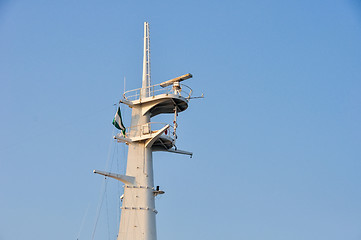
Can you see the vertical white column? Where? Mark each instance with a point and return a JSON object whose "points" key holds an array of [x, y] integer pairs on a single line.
{"points": [[138, 217], [146, 62], [137, 220]]}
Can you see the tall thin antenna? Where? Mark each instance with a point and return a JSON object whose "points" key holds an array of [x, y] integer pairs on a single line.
{"points": [[146, 61]]}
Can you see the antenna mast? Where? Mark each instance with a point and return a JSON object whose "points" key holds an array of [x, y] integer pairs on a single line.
{"points": [[144, 137], [146, 61]]}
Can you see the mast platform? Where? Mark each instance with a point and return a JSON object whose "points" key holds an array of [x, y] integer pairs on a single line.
{"points": [[156, 135], [159, 99]]}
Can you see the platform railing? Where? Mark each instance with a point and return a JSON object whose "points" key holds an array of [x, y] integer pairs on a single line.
{"points": [[148, 129], [154, 90]]}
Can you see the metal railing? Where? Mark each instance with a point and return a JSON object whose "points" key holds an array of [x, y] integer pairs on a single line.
{"points": [[148, 129], [154, 90]]}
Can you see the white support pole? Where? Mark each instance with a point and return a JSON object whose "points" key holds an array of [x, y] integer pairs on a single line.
{"points": [[146, 62], [138, 211]]}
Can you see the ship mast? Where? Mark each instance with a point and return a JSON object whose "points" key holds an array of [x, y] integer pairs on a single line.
{"points": [[143, 137], [146, 61]]}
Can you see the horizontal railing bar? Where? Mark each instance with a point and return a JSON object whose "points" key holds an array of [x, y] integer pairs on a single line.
{"points": [[154, 90], [151, 123]]}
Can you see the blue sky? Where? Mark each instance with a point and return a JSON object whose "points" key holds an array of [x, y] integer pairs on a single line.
{"points": [[277, 140]]}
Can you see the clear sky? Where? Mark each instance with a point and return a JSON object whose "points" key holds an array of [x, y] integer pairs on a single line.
{"points": [[277, 139]]}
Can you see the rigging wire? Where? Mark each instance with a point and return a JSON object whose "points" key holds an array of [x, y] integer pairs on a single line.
{"points": [[107, 210], [83, 221], [118, 184], [118, 169], [103, 189], [113, 168], [105, 186]]}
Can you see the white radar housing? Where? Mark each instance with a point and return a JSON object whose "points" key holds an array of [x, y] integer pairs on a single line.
{"points": [[177, 79]]}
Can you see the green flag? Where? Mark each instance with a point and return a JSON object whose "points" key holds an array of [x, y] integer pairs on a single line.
{"points": [[117, 121]]}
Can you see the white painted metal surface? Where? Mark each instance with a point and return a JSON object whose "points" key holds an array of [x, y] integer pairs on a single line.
{"points": [[146, 61], [143, 137]]}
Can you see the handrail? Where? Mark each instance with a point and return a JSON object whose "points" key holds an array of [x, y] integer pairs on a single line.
{"points": [[148, 128], [150, 123], [154, 90]]}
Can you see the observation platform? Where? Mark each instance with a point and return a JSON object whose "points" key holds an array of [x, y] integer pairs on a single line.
{"points": [[158, 136], [156, 99]]}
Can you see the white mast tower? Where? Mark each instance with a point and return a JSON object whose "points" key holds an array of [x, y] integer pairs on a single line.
{"points": [[143, 137]]}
